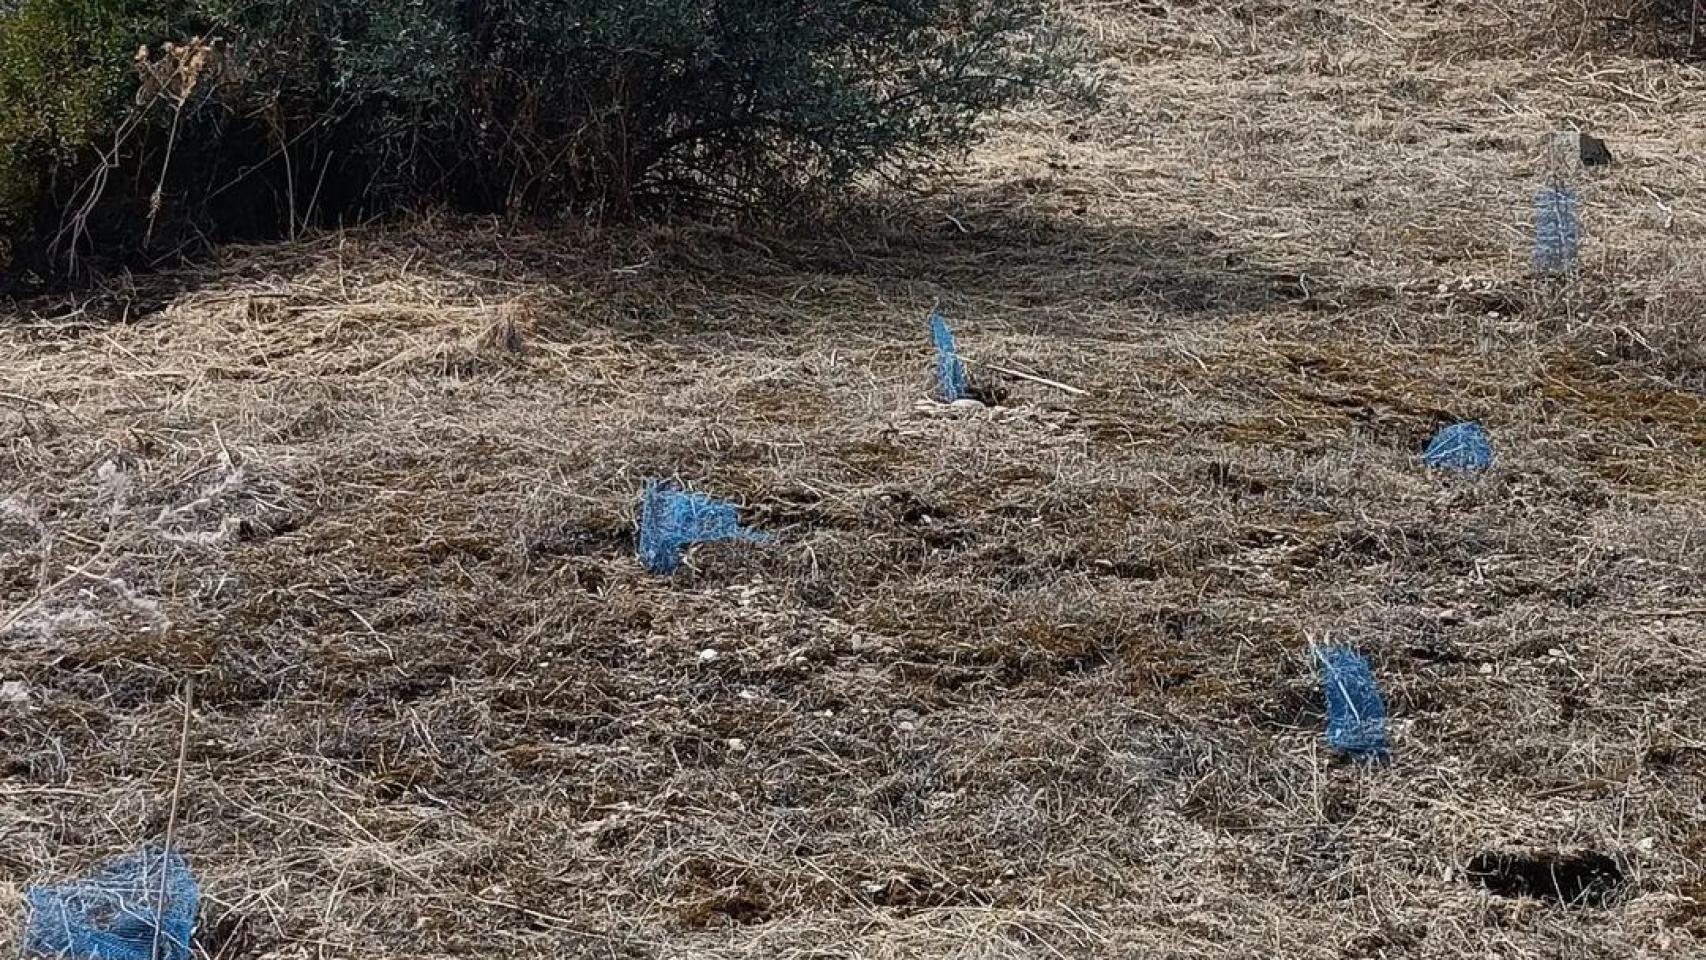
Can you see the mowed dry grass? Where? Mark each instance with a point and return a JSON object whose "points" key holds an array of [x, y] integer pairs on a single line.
{"points": [[1029, 681]]}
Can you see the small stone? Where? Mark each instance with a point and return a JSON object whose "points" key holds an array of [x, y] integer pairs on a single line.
{"points": [[14, 691], [709, 654]]}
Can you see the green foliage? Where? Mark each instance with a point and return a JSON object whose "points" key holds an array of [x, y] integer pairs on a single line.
{"points": [[64, 67], [339, 109]]}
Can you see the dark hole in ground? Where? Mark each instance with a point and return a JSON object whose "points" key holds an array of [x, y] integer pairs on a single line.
{"points": [[1082, 662], [252, 530], [792, 508], [1175, 625], [1579, 879], [1127, 567], [951, 537], [1672, 756], [1292, 704], [1168, 676], [737, 909], [912, 890], [1432, 648], [988, 391], [229, 935], [1506, 303], [1233, 479], [1577, 594], [1260, 538], [817, 593], [903, 507], [590, 579], [581, 540]]}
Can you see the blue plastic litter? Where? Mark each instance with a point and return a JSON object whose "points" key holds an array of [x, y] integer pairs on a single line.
{"points": [[671, 520], [114, 912], [1557, 230], [1356, 715], [1464, 447], [950, 367]]}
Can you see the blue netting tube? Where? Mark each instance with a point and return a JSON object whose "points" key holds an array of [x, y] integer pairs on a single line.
{"points": [[950, 367], [114, 913], [1463, 447], [1356, 715], [672, 520], [1557, 230]]}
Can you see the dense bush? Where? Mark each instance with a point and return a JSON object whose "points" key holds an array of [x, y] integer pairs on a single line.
{"points": [[63, 67], [1665, 28], [297, 111]]}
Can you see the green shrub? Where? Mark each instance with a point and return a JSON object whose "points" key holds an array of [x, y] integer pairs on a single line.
{"points": [[329, 110], [64, 69]]}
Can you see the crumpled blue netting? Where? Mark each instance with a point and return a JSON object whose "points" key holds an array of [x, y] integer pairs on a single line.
{"points": [[1356, 715], [112, 914], [1557, 230], [671, 520], [950, 368], [1464, 447]]}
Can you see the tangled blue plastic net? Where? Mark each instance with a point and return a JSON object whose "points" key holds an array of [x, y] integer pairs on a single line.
{"points": [[114, 913], [1356, 715], [950, 368], [672, 520], [1463, 447], [1557, 231]]}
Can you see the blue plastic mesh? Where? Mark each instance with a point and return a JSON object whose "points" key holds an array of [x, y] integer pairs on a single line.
{"points": [[1557, 231], [1356, 716], [112, 914], [671, 520], [950, 368], [1464, 447]]}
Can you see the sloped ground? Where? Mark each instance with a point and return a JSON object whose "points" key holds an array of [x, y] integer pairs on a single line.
{"points": [[1029, 681]]}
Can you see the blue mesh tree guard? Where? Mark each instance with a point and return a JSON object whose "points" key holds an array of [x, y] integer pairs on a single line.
{"points": [[950, 367], [1356, 715], [1557, 231], [1463, 447], [672, 520], [115, 912]]}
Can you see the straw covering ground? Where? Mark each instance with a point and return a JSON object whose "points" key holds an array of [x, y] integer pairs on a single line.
{"points": [[1017, 681]]}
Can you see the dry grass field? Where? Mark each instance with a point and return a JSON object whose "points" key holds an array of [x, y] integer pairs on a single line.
{"points": [[1025, 680]]}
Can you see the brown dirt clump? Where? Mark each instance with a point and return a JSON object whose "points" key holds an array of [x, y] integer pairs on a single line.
{"points": [[1026, 681]]}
